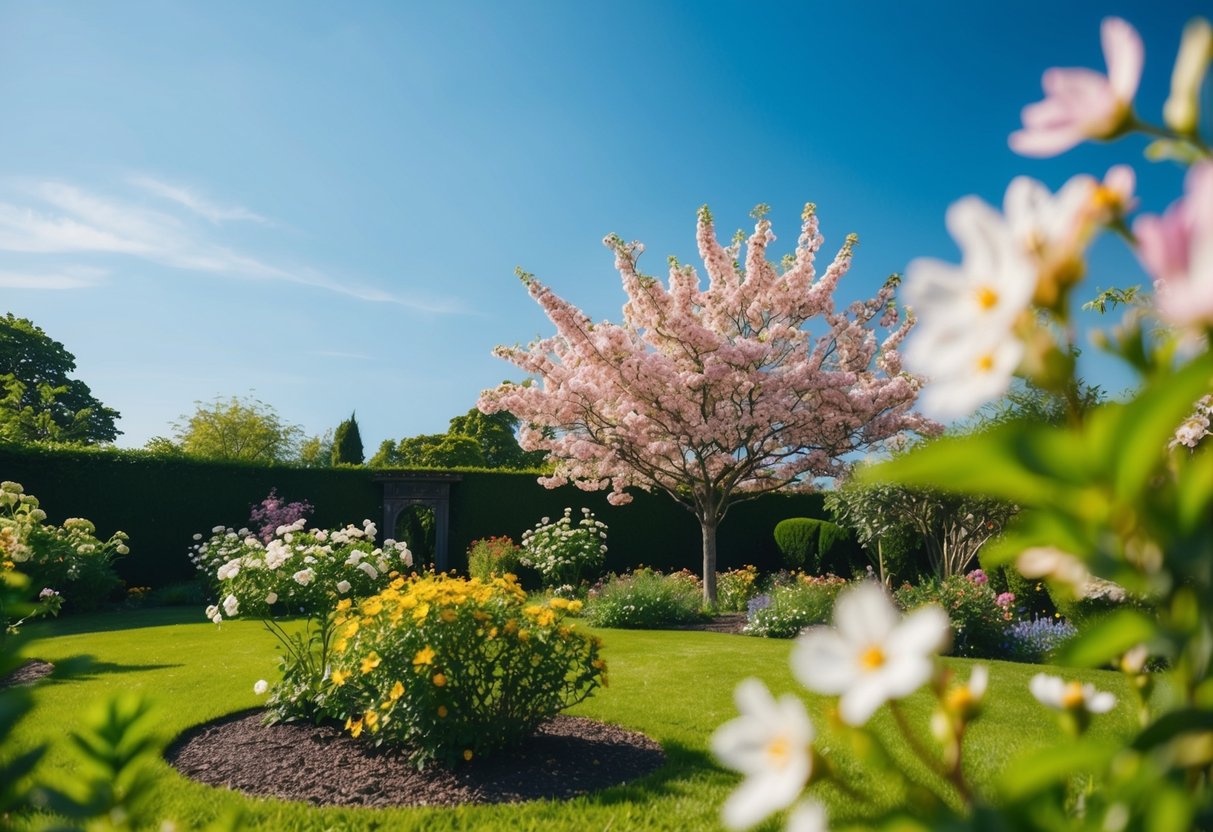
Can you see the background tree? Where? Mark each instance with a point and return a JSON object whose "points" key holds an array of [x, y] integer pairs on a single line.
{"points": [[40, 401], [497, 435], [718, 395], [238, 429], [317, 451], [432, 450], [347, 443]]}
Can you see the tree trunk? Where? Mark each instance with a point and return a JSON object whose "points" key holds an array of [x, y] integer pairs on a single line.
{"points": [[708, 529]]}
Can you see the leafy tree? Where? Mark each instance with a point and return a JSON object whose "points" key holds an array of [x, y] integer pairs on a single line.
{"points": [[40, 402], [718, 395], [347, 443], [432, 450], [496, 434], [238, 429], [162, 446], [317, 451]]}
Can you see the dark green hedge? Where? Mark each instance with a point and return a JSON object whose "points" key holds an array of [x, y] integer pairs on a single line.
{"points": [[162, 501]]}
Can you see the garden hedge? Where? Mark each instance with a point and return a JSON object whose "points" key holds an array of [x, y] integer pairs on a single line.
{"points": [[161, 501]]}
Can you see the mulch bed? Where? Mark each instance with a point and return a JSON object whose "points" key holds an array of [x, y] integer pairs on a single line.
{"points": [[324, 766], [729, 622], [27, 674]]}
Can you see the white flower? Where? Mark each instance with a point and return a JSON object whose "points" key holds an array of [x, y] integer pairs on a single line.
{"points": [[229, 570], [369, 570], [231, 606], [1182, 110], [216, 530], [212, 611], [343, 587], [872, 654], [807, 816], [304, 576], [1050, 562], [122, 549], [272, 598], [1060, 695], [965, 342], [769, 744], [260, 687]]}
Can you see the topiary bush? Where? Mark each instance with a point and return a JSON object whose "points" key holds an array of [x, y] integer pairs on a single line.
{"points": [[816, 546], [645, 599], [979, 622], [447, 669], [790, 607]]}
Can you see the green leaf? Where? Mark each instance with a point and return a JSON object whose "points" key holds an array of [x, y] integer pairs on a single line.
{"points": [[1046, 767], [1194, 491], [1107, 639], [1170, 725], [1170, 810], [1150, 420]]}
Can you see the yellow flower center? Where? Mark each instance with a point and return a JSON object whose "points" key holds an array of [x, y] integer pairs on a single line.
{"points": [[439, 680], [987, 298], [779, 751], [960, 700], [985, 363], [1072, 696], [872, 658]]}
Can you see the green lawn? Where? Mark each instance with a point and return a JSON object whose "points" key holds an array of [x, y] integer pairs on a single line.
{"points": [[674, 686]]}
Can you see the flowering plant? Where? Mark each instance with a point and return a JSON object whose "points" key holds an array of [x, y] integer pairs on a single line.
{"points": [[645, 598], [792, 606], [69, 559], [449, 669], [735, 588], [1122, 493], [564, 552], [299, 571], [977, 620], [493, 556], [273, 512]]}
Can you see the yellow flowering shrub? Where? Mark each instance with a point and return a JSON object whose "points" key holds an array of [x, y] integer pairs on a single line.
{"points": [[449, 669]]}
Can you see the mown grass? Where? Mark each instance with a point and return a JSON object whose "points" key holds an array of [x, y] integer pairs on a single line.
{"points": [[674, 686]]}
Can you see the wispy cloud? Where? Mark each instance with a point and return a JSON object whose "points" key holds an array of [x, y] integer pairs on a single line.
{"points": [[58, 218], [68, 278], [197, 203]]}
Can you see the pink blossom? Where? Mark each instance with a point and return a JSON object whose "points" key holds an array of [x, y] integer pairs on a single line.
{"points": [[1082, 104], [1005, 600], [1177, 250]]}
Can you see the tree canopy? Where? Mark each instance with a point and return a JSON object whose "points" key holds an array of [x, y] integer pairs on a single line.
{"points": [[474, 440], [347, 443], [237, 429], [754, 384], [40, 402]]}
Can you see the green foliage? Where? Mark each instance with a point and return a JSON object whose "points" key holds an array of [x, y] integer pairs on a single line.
{"points": [[563, 552], [237, 429], [978, 623], [475, 671], [314, 451], [644, 599], [817, 546], [347, 443], [41, 403], [735, 588], [493, 557], [789, 608], [68, 562], [435, 450], [496, 435]]}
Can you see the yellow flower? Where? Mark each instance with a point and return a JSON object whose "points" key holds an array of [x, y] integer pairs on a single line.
{"points": [[598, 664], [396, 692], [373, 606], [343, 605], [442, 712], [355, 728], [467, 753], [492, 632], [371, 719], [370, 662], [511, 627], [448, 615], [531, 610], [439, 680], [339, 677], [421, 612], [559, 603], [545, 618], [424, 656], [350, 629], [524, 635], [340, 644], [398, 583]]}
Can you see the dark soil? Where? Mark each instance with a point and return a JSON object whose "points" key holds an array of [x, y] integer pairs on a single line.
{"points": [[324, 766], [27, 674], [729, 622]]}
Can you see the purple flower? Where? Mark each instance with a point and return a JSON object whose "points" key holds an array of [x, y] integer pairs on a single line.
{"points": [[978, 577], [1005, 600]]}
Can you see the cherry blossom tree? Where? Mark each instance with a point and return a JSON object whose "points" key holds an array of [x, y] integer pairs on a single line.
{"points": [[713, 395]]}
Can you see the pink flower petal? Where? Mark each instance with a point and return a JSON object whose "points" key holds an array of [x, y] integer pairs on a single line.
{"points": [[1124, 54]]}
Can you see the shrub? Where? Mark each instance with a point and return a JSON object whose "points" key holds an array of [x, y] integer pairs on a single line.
{"points": [[299, 571], [564, 553], [817, 546], [473, 669], [791, 607], [69, 560], [978, 620], [735, 588], [273, 512], [1036, 640], [645, 599], [492, 557]]}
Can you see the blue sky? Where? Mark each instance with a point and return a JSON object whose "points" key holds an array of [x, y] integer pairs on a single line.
{"points": [[323, 203]]}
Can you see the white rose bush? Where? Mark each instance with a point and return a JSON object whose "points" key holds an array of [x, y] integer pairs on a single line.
{"points": [[299, 572], [1123, 493], [564, 552]]}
